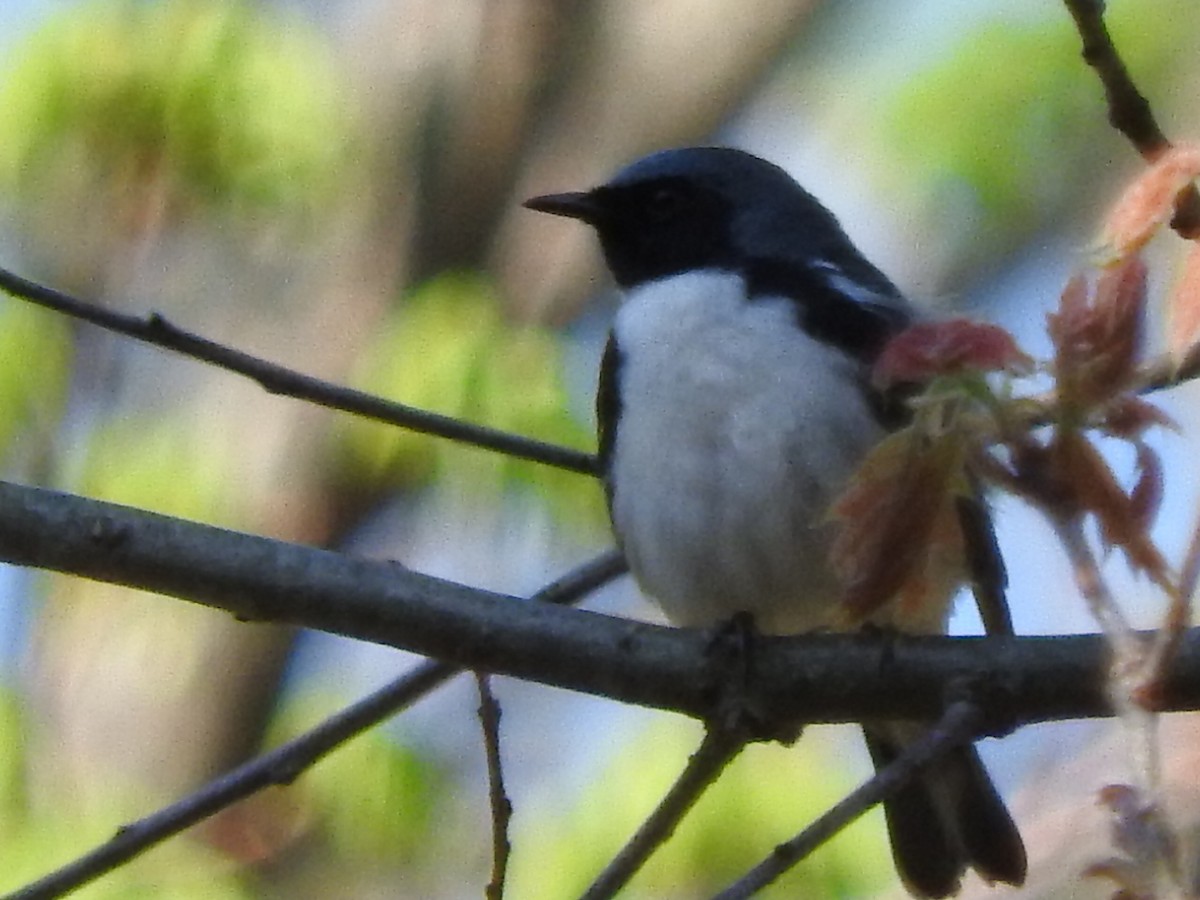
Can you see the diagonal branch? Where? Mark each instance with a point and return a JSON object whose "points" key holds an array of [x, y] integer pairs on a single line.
{"points": [[1159, 374], [283, 764], [1128, 110], [279, 766], [716, 752], [158, 332], [957, 725]]}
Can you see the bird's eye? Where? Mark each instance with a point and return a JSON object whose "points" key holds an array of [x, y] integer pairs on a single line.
{"points": [[664, 204]]}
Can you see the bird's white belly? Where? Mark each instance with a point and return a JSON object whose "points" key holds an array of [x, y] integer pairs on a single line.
{"points": [[737, 431]]}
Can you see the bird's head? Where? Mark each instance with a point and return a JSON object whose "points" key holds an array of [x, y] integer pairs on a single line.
{"points": [[698, 208]]}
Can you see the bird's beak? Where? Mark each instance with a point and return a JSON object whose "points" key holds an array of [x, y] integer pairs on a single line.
{"points": [[574, 205]]}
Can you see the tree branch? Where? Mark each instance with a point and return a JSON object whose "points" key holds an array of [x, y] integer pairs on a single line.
{"points": [[1128, 110], [809, 678], [158, 332]]}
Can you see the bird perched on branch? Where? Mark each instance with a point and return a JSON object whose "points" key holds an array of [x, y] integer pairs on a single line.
{"points": [[734, 406]]}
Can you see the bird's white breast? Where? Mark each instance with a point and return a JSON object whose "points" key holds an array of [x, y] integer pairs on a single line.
{"points": [[736, 431]]}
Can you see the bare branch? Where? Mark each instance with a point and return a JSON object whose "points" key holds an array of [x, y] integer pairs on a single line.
{"points": [[1128, 111], [489, 722], [283, 764], [719, 748], [157, 331], [1178, 615], [955, 727], [801, 679]]}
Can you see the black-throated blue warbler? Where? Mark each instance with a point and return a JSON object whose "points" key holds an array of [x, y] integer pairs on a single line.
{"points": [[734, 406]]}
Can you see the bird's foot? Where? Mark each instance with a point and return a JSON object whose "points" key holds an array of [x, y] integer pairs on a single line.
{"points": [[738, 708]]}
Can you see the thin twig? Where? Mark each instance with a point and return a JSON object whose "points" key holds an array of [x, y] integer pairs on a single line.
{"points": [[157, 331], [283, 764], [489, 722], [1161, 373], [1128, 110], [717, 750], [1170, 634], [958, 725], [1128, 677], [1126, 643], [1131, 681], [1190, 574]]}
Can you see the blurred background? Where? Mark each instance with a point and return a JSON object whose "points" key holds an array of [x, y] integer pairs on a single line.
{"points": [[336, 186]]}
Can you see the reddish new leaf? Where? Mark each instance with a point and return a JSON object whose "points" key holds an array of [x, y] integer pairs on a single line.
{"points": [[1129, 417], [1124, 874], [929, 349], [1096, 338], [896, 519], [1148, 203], [1183, 310], [1145, 499], [1146, 842], [1067, 328], [1093, 487]]}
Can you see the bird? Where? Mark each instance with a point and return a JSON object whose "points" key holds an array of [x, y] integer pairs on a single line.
{"points": [[734, 405]]}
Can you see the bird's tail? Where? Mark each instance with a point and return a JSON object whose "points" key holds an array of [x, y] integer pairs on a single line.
{"points": [[947, 820]]}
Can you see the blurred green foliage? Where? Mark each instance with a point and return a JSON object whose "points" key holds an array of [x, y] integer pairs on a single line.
{"points": [[766, 796], [232, 106], [989, 81], [376, 805], [36, 838], [448, 348], [1004, 126], [377, 800], [35, 363], [161, 463], [12, 766]]}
